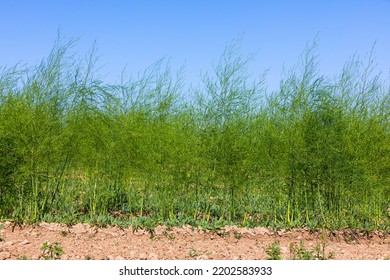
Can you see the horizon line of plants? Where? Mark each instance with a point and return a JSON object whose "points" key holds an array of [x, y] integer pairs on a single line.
{"points": [[315, 152]]}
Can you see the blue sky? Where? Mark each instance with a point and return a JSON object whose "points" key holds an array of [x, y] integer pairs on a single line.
{"points": [[138, 33]]}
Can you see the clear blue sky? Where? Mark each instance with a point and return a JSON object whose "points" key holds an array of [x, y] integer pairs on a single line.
{"points": [[137, 33]]}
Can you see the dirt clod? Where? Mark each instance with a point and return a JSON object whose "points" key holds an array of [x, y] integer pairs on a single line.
{"points": [[5, 255]]}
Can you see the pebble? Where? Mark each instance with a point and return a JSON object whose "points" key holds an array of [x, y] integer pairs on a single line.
{"points": [[25, 242], [284, 250], [143, 256]]}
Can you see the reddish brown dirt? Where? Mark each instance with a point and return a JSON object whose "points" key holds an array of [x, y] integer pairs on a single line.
{"points": [[85, 242]]}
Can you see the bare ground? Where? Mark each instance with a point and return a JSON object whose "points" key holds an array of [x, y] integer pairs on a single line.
{"points": [[82, 241]]}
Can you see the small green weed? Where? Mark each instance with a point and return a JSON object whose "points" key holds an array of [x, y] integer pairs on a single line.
{"points": [[300, 252], [273, 251], [237, 235], [170, 236], [320, 253], [222, 233], [151, 231], [193, 253], [317, 253], [51, 251]]}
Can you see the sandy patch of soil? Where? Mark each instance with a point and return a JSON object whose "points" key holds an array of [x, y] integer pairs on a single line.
{"points": [[82, 241]]}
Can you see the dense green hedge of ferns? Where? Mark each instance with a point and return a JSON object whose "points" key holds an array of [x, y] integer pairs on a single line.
{"points": [[146, 150]]}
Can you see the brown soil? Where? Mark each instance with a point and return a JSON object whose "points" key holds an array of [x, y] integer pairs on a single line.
{"points": [[231, 243]]}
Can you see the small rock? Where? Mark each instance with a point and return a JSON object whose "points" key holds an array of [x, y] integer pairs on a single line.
{"points": [[25, 242], [119, 258], [143, 256], [9, 243]]}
